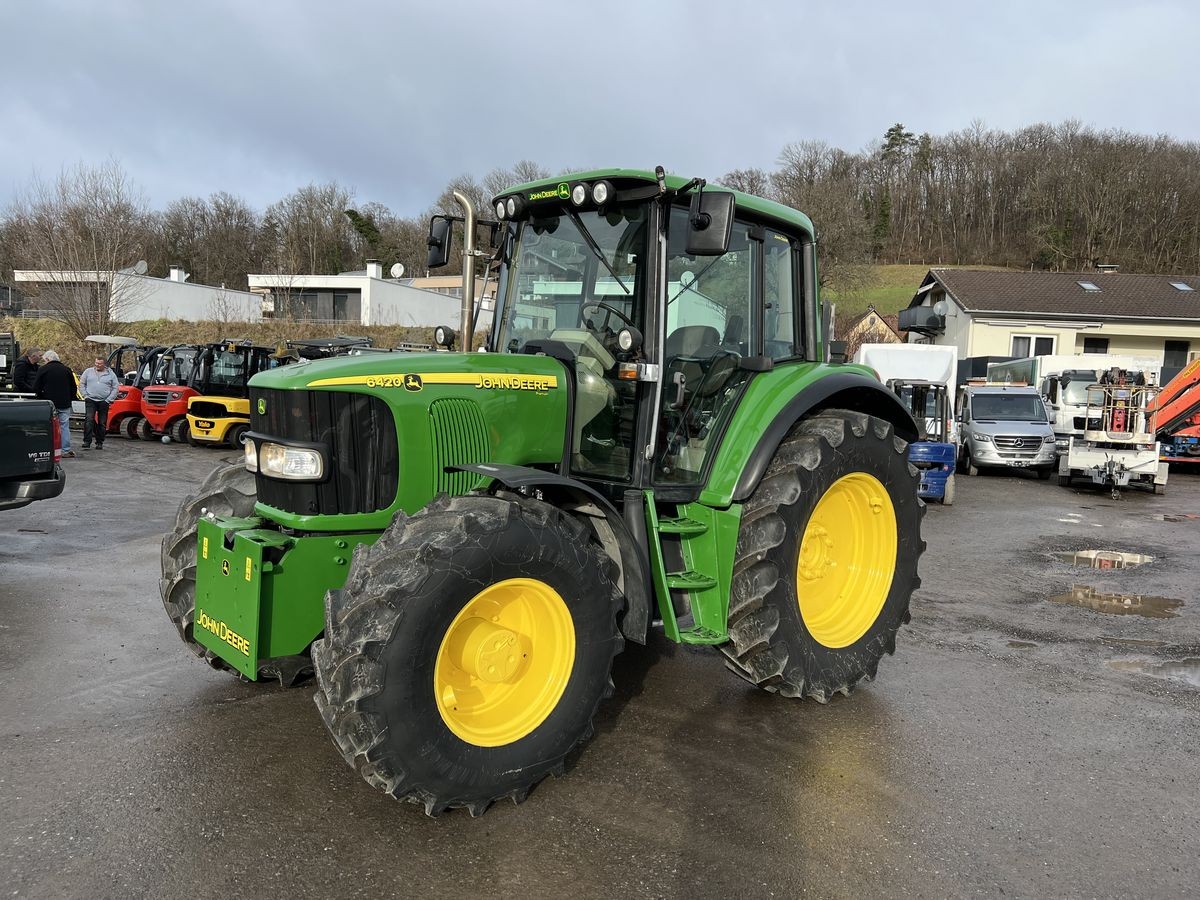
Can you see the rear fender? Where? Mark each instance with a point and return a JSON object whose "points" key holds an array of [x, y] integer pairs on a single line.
{"points": [[607, 524], [842, 390]]}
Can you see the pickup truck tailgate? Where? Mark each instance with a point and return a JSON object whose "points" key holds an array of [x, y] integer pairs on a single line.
{"points": [[26, 438]]}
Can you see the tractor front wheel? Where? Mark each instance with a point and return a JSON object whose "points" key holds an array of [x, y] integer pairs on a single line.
{"points": [[826, 558], [468, 651], [227, 491]]}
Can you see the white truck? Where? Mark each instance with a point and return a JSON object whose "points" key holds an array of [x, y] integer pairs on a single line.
{"points": [[1063, 381]]}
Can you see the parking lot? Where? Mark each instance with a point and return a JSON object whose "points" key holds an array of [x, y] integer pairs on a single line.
{"points": [[1033, 735]]}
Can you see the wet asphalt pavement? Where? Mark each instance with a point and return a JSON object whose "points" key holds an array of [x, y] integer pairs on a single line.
{"points": [[1015, 744]]}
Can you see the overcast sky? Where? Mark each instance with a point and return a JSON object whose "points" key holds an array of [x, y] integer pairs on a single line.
{"points": [[393, 99]]}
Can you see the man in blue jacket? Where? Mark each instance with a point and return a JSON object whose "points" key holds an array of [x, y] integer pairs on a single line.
{"points": [[98, 386]]}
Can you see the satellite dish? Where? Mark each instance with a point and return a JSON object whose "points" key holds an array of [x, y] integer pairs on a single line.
{"points": [[397, 270], [140, 267], [686, 278], [942, 307]]}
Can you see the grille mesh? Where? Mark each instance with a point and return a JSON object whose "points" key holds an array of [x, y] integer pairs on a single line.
{"points": [[458, 435]]}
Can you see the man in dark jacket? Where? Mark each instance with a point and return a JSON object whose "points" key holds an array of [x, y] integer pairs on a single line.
{"points": [[56, 383], [24, 370]]}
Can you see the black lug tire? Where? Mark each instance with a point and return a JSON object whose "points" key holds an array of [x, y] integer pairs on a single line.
{"points": [[228, 491], [237, 434], [130, 427], [180, 431], [144, 431], [383, 630], [769, 644], [1064, 480]]}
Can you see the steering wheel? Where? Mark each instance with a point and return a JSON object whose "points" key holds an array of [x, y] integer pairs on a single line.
{"points": [[611, 310]]}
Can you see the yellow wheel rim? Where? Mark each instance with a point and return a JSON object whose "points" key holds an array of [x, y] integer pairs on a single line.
{"points": [[847, 560], [504, 662]]}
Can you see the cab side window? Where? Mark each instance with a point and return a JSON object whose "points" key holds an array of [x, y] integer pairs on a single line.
{"points": [[780, 338]]}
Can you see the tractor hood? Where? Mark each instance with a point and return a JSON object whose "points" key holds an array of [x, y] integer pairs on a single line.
{"points": [[414, 372], [394, 427]]}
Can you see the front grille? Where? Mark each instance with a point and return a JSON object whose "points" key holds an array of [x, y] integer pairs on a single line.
{"points": [[156, 398], [1017, 446], [206, 409], [363, 454], [459, 437]]}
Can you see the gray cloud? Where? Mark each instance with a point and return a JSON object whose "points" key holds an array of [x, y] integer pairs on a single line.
{"points": [[394, 100]]}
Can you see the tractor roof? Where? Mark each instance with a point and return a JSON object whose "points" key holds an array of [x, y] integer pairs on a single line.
{"points": [[767, 208]]}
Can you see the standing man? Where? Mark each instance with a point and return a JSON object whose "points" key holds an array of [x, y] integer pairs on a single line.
{"points": [[56, 383], [98, 386], [25, 369]]}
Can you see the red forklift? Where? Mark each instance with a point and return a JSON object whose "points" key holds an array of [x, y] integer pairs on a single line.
{"points": [[165, 398], [134, 365]]}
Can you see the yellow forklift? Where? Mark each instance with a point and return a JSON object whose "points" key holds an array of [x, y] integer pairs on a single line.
{"points": [[221, 414]]}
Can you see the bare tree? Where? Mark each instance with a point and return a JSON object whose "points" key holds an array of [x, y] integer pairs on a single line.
{"points": [[84, 231]]}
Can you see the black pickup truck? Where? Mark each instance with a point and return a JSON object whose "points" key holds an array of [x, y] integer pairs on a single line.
{"points": [[29, 441]]}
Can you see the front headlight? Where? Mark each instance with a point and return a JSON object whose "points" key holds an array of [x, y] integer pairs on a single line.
{"points": [[1050, 440], [979, 436], [292, 463], [251, 451]]}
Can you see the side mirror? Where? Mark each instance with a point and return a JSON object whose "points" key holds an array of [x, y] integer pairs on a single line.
{"points": [[710, 223], [837, 351], [439, 241]]}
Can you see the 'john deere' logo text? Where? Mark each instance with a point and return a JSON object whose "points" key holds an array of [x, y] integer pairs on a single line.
{"points": [[223, 632], [562, 192], [412, 382]]}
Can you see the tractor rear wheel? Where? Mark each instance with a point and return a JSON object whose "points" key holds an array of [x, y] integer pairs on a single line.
{"points": [[826, 558], [228, 491], [468, 651]]}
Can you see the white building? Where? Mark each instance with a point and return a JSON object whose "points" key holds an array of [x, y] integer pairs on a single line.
{"points": [[134, 296], [364, 297]]}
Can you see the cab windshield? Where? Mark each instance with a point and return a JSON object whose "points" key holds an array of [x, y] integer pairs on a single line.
{"points": [[175, 366], [557, 288], [1008, 408], [1075, 391]]}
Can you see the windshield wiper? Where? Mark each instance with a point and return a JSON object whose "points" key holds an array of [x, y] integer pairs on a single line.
{"points": [[595, 248]]}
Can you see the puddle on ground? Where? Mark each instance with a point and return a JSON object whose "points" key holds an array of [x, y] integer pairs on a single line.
{"points": [[1185, 670], [1103, 559], [1132, 642], [1119, 604], [1022, 645], [1175, 517]]}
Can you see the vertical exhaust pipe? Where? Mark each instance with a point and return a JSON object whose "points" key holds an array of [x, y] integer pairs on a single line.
{"points": [[466, 323]]}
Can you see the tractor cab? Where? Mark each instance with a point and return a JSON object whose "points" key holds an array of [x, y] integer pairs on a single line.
{"points": [[165, 398], [220, 412], [662, 298]]}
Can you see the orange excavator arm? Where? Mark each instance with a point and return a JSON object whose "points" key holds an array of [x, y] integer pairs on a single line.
{"points": [[1178, 401]]}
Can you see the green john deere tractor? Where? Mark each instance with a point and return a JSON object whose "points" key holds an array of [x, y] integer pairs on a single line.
{"points": [[458, 544]]}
